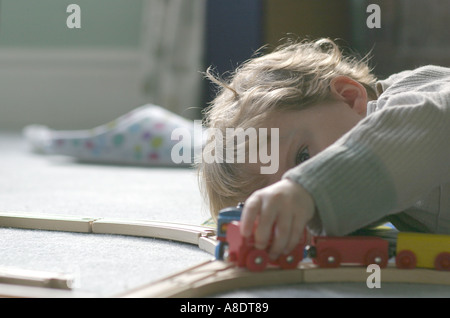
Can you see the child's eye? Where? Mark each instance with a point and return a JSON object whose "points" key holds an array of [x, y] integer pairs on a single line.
{"points": [[302, 156]]}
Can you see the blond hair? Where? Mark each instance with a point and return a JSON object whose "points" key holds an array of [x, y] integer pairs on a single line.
{"points": [[292, 77]]}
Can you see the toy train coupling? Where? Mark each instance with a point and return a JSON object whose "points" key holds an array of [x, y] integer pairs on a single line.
{"points": [[310, 251]]}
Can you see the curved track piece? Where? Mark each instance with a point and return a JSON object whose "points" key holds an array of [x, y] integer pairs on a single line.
{"points": [[216, 277]]}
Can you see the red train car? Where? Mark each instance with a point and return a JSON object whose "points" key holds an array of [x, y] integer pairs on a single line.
{"points": [[241, 251], [361, 250]]}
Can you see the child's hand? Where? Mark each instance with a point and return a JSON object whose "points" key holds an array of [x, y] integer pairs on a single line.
{"points": [[285, 204]]}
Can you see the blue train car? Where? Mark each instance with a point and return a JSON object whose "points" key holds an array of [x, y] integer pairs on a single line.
{"points": [[225, 217]]}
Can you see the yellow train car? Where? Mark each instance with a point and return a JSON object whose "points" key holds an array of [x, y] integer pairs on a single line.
{"points": [[423, 250]]}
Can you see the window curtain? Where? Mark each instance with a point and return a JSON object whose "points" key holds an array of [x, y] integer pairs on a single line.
{"points": [[173, 46]]}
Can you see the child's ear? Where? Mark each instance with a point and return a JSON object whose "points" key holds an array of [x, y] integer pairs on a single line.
{"points": [[351, 92]]}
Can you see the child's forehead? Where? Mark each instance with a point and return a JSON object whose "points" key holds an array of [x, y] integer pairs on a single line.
{"points": [[287, 123], [296, 117]]}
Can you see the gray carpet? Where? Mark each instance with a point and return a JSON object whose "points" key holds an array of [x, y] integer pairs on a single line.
{"points": [[105, 265], [101, 264]]}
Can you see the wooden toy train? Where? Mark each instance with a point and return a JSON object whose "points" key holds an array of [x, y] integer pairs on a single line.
{"points": [[412, 249]]}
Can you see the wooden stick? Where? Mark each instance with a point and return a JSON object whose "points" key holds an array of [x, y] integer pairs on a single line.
{"points": [[47, 222], [35, 278], [20, 291]]}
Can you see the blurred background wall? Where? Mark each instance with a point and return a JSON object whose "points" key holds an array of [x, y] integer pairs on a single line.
{"points": [[68, 78], [128, 53]]}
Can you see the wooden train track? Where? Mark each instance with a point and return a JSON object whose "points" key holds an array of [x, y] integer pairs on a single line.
{"points": [[216, 277], [204, 279], [201, 236]]}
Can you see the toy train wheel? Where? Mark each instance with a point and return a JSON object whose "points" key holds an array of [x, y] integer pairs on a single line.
{"points": [[256, 260], [406, 259], [291, 260], [328, 258], [442, 262], [376, 256]]}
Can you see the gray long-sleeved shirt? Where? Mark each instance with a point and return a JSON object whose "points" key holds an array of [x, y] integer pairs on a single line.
{"points": [[393, 165]]}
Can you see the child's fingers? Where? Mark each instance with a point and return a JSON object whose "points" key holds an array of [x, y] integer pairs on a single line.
{"points": [[267, 217], [298, 228], [252, 208], [282, 234]]}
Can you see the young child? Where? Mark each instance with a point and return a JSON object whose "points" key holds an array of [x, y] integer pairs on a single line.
{"points": [[354, 151]]}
